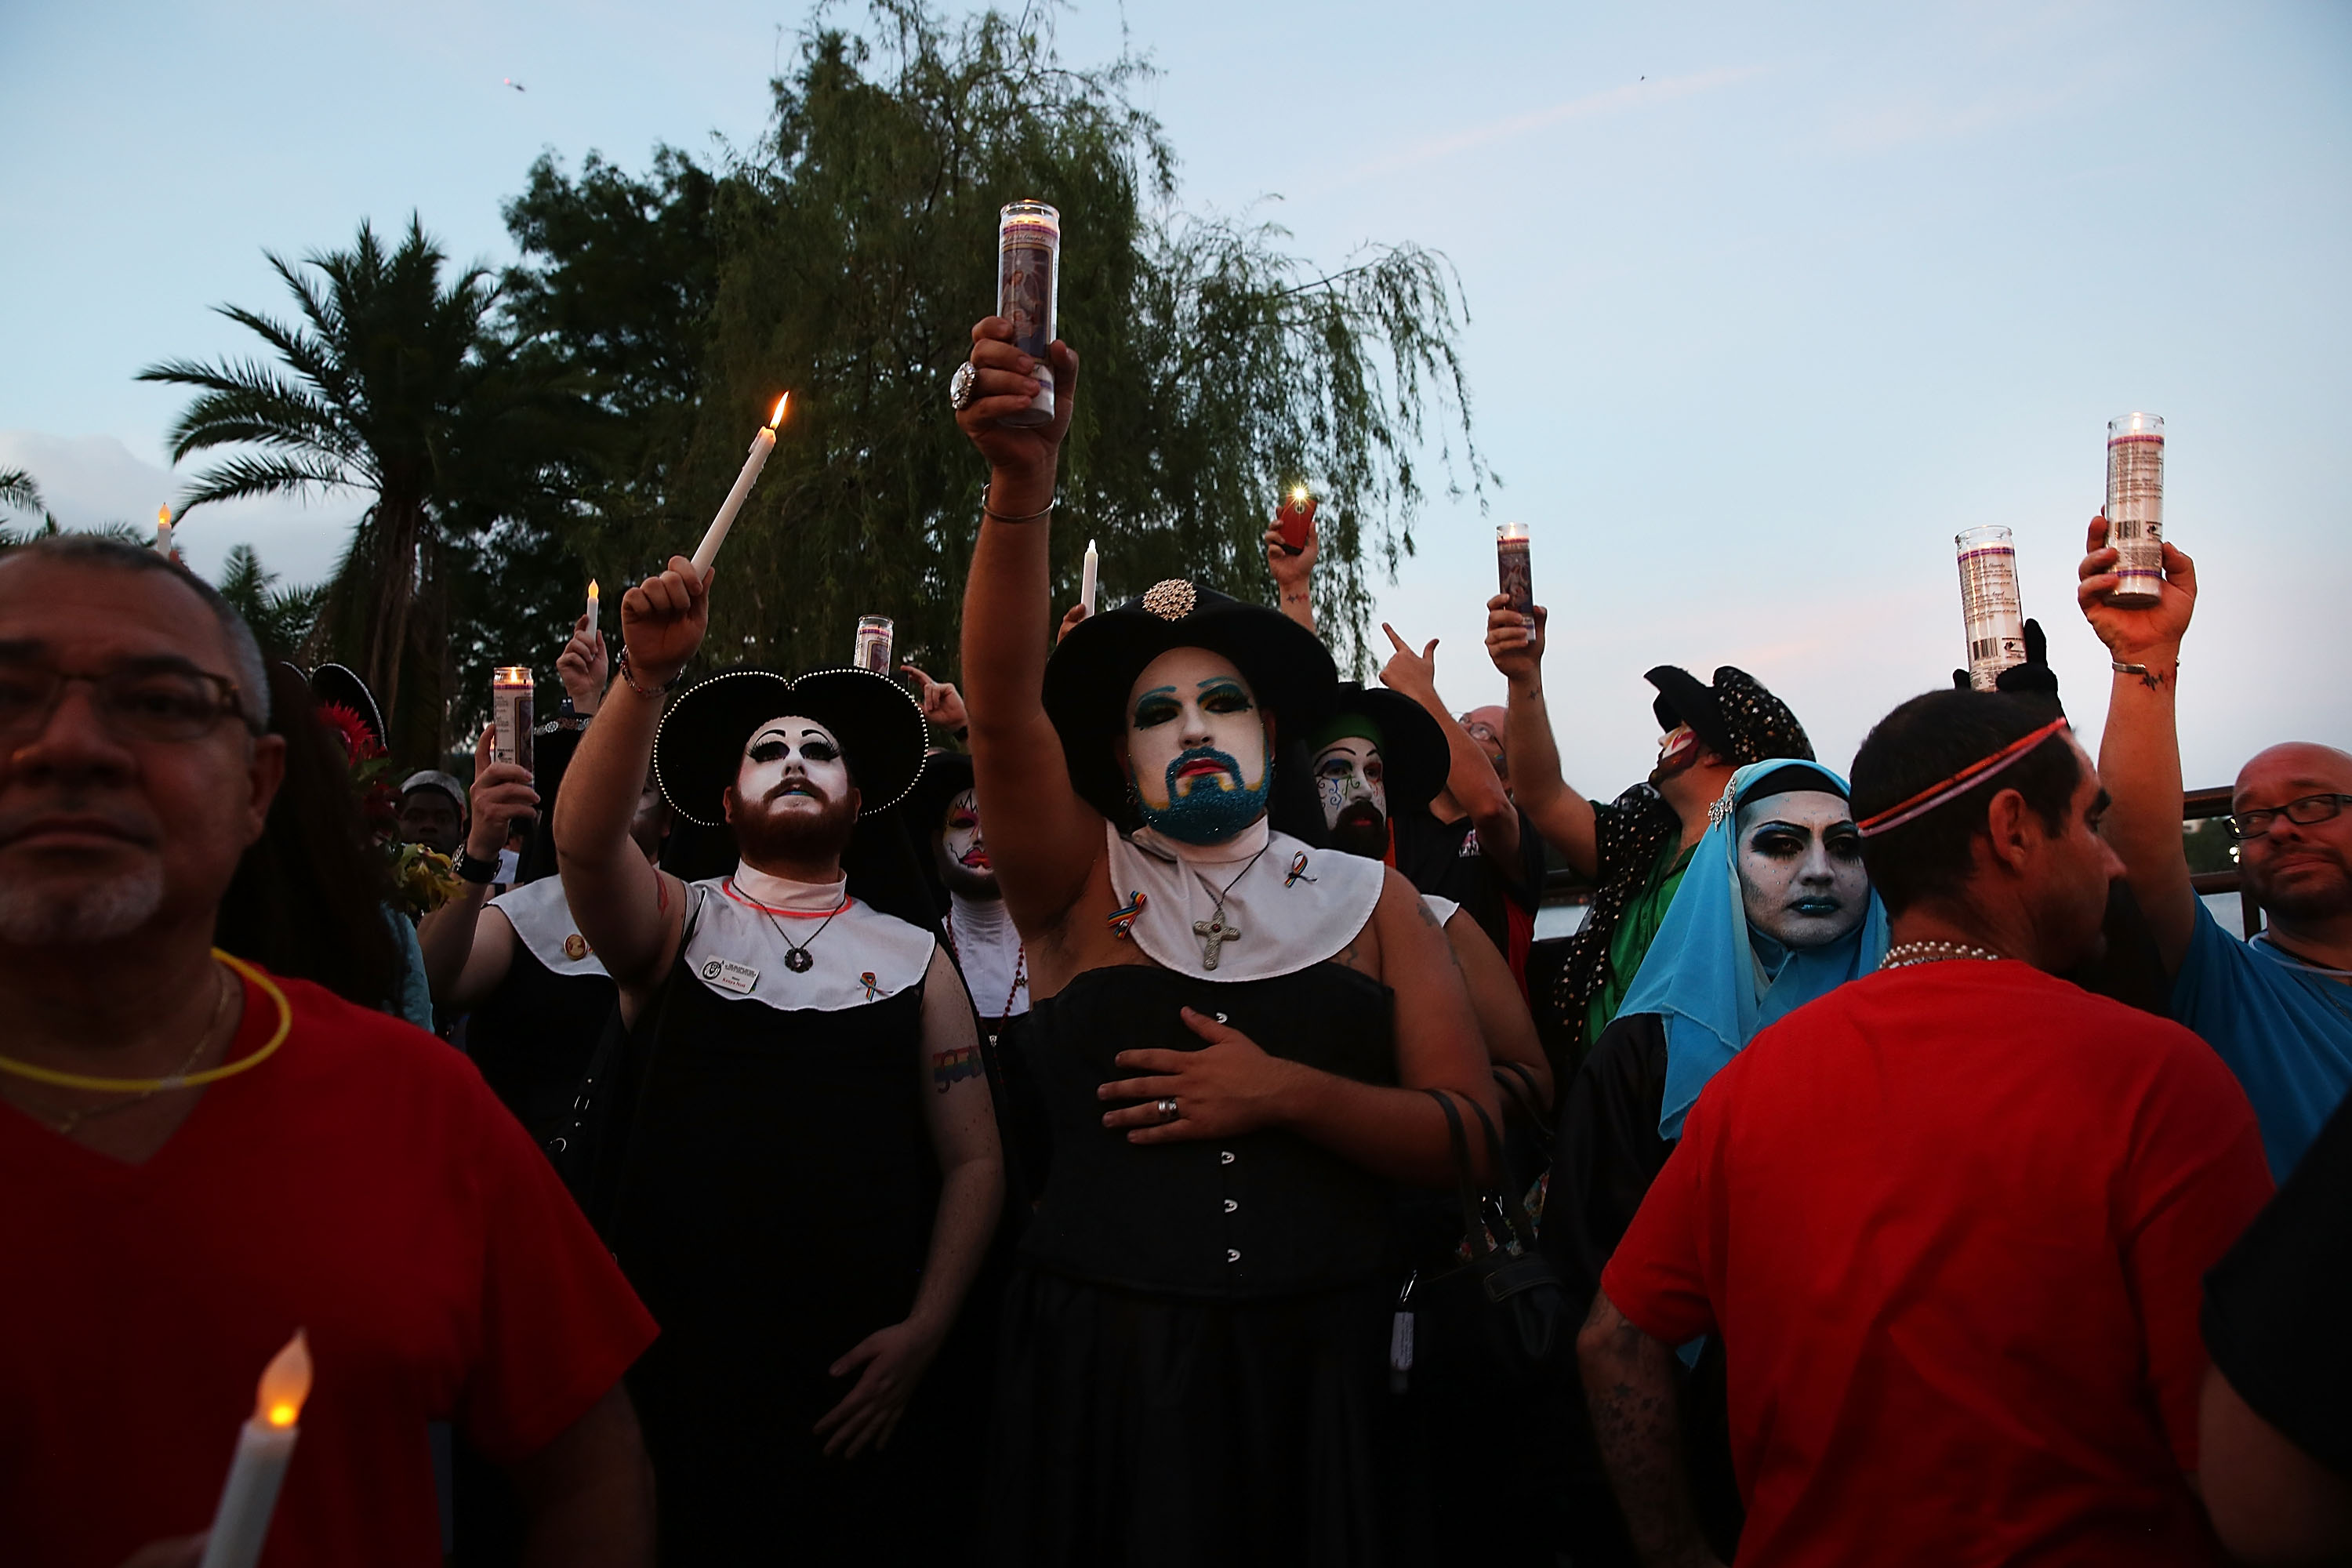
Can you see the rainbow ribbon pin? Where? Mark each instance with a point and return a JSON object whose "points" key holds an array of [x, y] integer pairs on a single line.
{"points": [[1297, 872], [1122, 920], [866, 980]]}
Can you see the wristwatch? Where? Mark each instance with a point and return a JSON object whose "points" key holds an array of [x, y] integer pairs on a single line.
{"points": [[469, 869]]}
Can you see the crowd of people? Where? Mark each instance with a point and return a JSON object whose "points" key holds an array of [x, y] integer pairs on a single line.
{"points": [[1114, 1110]]}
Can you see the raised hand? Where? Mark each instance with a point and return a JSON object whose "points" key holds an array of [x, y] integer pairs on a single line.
{"points": [[1292, 572], [2134, 635], [1020, 457], [663, 620], [583, 668], [1515, 643], [942, 703], [1413, 674], [501, 792], [1070, 619], [1227, 1086]]}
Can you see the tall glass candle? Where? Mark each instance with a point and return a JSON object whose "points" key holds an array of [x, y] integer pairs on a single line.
{"points": [[511, 704], [1989, 606], [1028, 289], [873, 650], [1511, 567], [2135, 506]]}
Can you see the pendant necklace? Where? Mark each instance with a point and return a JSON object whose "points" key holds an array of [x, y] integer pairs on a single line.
{"points": [[796, 956], [1216, 931], [64, 1122], [1904, 955]]}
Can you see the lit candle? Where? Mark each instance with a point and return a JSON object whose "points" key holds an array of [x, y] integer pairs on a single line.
{"points": [[761, 445], [1087, 581], [591, 607], [164, 530], [264, 1446]]}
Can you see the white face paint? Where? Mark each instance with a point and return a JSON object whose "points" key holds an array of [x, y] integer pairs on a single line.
{"points": [[792, 766], [1347, 771], [1193, 729], [1801, 877], [961, 836]]}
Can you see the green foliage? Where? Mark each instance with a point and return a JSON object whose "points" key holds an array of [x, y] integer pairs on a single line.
{"points": [[19, 490], [405, 388], [282, 618], [2209, 845], [848, 260]]}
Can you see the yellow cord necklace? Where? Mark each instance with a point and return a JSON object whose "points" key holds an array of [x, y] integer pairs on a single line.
{"points": [[94, 1084]]}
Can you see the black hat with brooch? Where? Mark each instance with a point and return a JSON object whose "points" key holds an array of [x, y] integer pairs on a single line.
{"points": [[699, 749], [1288, 670], [1740, 720]]}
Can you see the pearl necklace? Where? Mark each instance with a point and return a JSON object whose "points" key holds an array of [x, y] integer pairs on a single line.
{"points": [[1902, 955]]}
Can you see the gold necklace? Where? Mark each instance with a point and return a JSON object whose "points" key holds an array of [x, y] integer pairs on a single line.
{"points": [[67, 1122], [183, 1078]]}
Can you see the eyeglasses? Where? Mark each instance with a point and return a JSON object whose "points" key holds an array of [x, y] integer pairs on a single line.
{"points": [[2311, 808], [140, 702]]}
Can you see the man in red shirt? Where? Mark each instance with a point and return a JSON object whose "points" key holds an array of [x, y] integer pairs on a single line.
{"points": [[1950, 1218], [201, 1158]]}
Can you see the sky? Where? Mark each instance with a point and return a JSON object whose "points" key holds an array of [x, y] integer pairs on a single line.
{"points": [[1767, 301]]}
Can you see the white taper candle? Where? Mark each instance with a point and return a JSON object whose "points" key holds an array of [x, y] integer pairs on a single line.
{"points": [[1087, 581], [757, 459], [264, 1447]]}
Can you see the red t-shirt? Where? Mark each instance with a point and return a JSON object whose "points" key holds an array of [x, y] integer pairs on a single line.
{"points": [[362, 1184], [1951, 1221]]}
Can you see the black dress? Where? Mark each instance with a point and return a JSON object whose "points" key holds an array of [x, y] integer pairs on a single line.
{"points": [[1194, 1345], [1606, 1155], [773, 1207], [532, 1037]]}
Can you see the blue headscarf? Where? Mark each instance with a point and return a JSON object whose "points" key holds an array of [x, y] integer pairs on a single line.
{"points": [[1701, 972]]}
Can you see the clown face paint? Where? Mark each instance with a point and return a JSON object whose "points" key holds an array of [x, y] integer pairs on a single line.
{"points": [[962, 852], [1800, 876], [792, 794], [1196, 747]]}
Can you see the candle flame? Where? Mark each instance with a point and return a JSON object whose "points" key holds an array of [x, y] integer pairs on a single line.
{"points": [[778, 417], [1299, 495], [163, 516], [285, 1384], [592, 590]]}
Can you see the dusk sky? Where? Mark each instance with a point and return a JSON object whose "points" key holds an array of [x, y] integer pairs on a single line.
{"points": [[1768, 302]]}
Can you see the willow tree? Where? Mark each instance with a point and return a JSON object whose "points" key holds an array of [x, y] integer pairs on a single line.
{"points": [[847, 259]]}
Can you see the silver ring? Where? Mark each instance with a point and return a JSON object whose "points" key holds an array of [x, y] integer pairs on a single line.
{"points": [[961, 387], [1168, 1111]]}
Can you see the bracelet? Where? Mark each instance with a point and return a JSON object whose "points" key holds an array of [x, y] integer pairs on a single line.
{"points": [[629, 677], [471, 867], [2120, 667], [986, 511]]}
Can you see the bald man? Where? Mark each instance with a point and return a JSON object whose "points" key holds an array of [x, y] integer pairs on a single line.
{"points": [[2278, 1009]]}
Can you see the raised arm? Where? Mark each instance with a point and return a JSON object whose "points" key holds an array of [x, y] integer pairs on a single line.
{"points": [[1470, 778], [630, 912], [2139, 754], [1563, 817], [1294, 575], [1044, 844], [465, 956]]}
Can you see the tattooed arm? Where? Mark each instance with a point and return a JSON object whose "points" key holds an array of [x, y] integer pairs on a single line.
{"points": [[972, 1192], [1629, 1386]]}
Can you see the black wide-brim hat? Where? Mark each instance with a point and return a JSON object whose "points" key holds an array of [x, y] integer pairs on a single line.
{"points": [[946, 774], [1414, 759], [699, 747], [1739, 720], [1288, 670], [335, 683]]}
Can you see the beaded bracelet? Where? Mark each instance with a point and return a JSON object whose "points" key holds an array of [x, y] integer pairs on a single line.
{"points": [[629, 677]]}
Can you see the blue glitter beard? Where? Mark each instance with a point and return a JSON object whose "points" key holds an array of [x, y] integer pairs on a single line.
{"points": [[1208, 814]]}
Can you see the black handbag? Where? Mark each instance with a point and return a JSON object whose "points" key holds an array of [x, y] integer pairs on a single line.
{"points": [[1525, 1322]]}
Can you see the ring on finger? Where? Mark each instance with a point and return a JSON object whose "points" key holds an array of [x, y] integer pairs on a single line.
{"points": [[961, 386], [1168, 1111]]}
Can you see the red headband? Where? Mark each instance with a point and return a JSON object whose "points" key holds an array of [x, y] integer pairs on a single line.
{"points": [[1960, 783]]}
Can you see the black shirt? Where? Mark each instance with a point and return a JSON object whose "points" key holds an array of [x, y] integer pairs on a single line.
{"points": [[2274, 1305], [1446, 858]]}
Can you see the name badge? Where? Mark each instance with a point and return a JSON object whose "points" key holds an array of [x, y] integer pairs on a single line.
{"points": [[729, 976]]}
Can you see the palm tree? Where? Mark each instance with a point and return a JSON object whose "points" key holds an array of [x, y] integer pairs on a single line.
{"points": [[398, 385], [18, 490]]}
